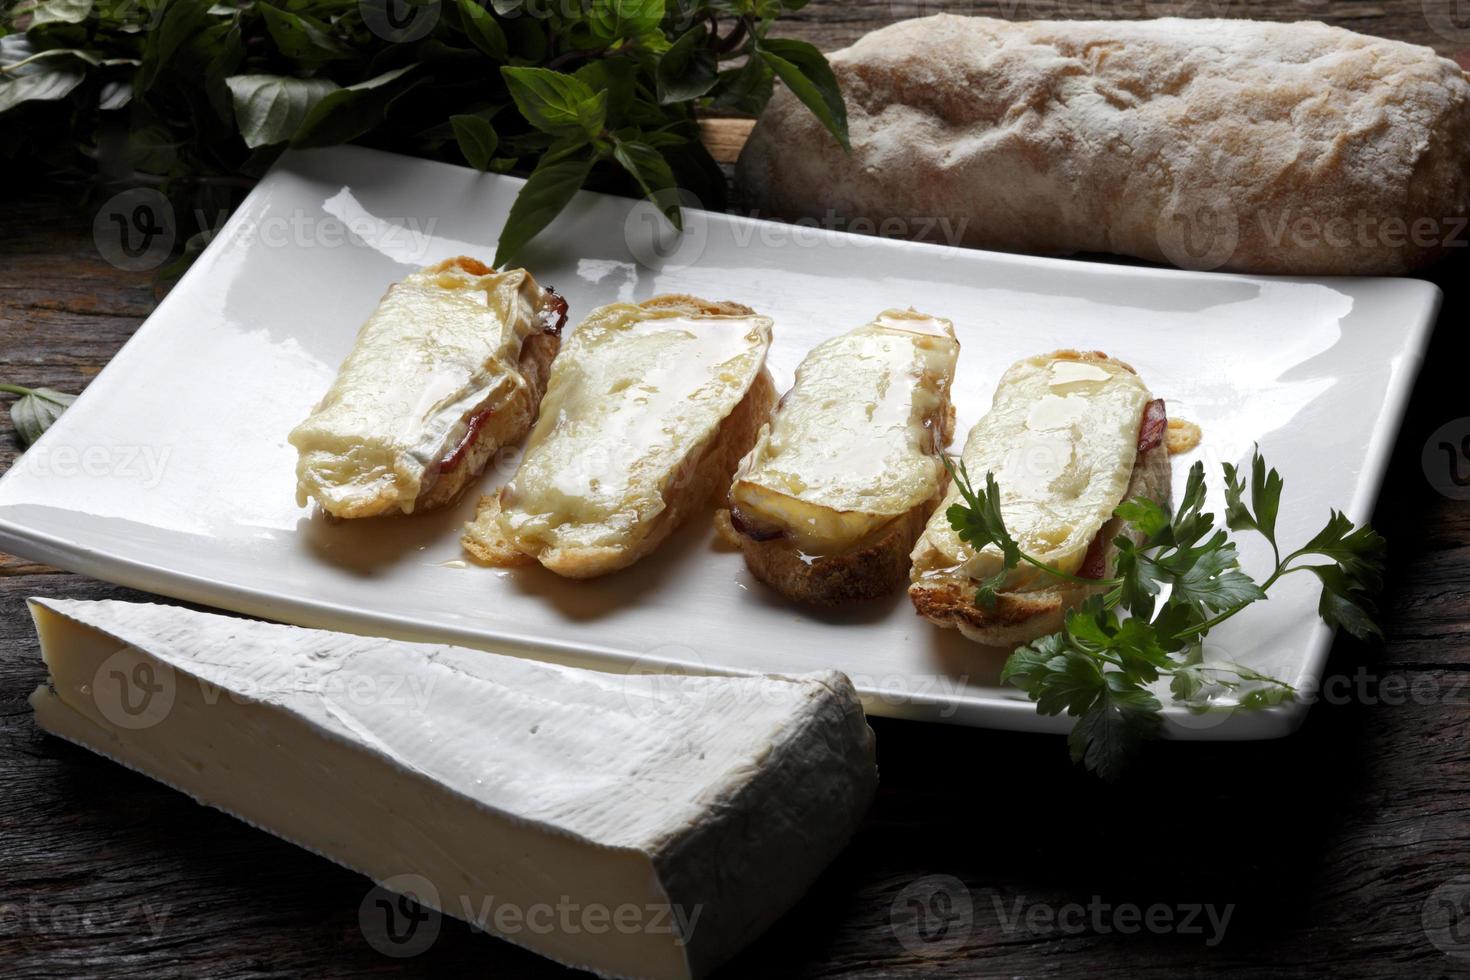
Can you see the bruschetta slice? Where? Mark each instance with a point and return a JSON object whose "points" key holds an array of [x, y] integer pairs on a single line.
{"points": [[828, 504], [450, 367], [1069, 436], [648, 411]]}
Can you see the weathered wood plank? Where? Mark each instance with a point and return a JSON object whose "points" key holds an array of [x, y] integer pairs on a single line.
{"points": [[831, 24]]}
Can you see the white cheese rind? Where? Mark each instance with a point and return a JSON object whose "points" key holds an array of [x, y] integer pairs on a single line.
{"points": [[634, 392], [496, 779], [854, 442], [443, 344], [1061, 438]]}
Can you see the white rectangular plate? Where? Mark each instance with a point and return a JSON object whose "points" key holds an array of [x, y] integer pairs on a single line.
{"points": [[172, 472]]}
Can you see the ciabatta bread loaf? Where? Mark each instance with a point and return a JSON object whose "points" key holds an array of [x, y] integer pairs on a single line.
{"points": [[1230, 144]]}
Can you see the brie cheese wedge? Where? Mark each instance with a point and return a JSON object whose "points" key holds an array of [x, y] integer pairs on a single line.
{"points": [[439, 368], [856, 442], [1061, 438], [633, 423], [674, 818]]}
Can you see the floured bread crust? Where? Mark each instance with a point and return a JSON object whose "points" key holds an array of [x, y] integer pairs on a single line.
{"points": [[1230, 144]]}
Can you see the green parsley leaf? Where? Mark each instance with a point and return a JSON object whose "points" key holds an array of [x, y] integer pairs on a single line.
{"points": [[978, 523], [1108, 734], [1181, 582], [1265, 498]]}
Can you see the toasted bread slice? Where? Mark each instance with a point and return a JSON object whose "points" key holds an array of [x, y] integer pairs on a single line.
{"points": [[450, 367], [647, 413], [1069, 437], [827, 505]]}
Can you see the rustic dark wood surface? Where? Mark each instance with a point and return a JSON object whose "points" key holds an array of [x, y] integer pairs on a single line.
{"points": [[1336, 851]]}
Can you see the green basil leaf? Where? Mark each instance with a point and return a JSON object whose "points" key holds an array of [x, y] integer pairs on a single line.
{"points": [[529, 45], [553, 184], [653, 174], [611, 20], [480, 27], [114, 94], [270, 108], [688, 69], [556, 103], [36, 410], [178, 22], [617, 77], [698, 173], [61, 12], [301, 38], [745, 89], [806, 72], [45, 84], [477, 139], [349, 112]]}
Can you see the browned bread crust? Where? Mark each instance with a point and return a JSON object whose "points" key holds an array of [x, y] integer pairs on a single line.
{"points": [[873, 567], [506, 426]]}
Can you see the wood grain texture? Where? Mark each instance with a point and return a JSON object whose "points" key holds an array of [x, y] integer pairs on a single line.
{"points": [[1329, 848]]}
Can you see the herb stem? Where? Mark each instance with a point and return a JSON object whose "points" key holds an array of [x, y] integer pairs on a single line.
{"points": [[7, 69], [1074, 579], [1210, 624], [16, 389], [734, 39]]}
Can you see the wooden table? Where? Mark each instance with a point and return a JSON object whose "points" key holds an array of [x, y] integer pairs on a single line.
{"points": [[1330, 850]]}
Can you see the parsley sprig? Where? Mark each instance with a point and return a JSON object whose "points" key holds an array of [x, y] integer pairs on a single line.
{"points": [[1168, 592]]}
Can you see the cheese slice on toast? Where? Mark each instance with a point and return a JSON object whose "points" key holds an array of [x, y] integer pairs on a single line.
{"points": [[828, 503], [449, 368], [1068, 437], [649, 409]]}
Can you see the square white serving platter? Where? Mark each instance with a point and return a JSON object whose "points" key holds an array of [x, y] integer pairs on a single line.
{"points": [[172, 473]]}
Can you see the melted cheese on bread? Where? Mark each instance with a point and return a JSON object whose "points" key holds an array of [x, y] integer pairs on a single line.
{"points": [[634, 392], [1061, 438], [853, 443], [442, 345]]}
